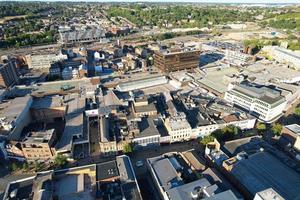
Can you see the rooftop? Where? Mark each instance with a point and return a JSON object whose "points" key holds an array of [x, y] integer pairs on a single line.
{"points": [[39, 137], [107, 170], [262, 93], [10, 110], [262, 170], [294, 128], [165, 172], [47, 102], [147, 128]]}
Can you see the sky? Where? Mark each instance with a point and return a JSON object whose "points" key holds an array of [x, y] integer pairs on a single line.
{"points": [[207, 1]]}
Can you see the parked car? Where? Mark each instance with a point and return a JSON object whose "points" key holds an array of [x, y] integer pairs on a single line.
{"points": [[139, 163]]}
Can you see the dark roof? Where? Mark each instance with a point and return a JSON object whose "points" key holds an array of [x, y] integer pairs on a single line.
{"points": [[262, 170], [107, 170]]}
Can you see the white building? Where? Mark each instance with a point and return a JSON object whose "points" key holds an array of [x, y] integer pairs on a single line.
{"points": [[69, 73], [178, 127], [87, 34], [44, 61], [283, 55], [142, 83], [264, 103], [236, 57]]}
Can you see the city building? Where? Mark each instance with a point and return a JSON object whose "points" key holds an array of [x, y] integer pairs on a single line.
{"points": [[108, 143], [48, 109], [176, 181], [8, 74], [267, 194], [292, 134], [178, 127], [14, 116], [142, 83], [236, 57], [177, 59], [265, 103], [43, 62], [84, 35], [147, 134], [141, 107], [262, 170], [39, 146], [75, 128], [109, 180], [55, 70], [284, 55]]}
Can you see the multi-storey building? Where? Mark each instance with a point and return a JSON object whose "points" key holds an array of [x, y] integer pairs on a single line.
{"points": [[89, 34], [43, 61], [283, 55], [178, 127], [178, 59], [8, 74], [265, 103], [236, 57], [39, 146]]}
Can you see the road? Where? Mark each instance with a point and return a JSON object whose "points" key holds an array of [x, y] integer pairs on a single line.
{"points": [[145, 181]]}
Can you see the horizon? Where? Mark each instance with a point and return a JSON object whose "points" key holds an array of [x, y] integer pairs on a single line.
{"points": [[169, 1]]}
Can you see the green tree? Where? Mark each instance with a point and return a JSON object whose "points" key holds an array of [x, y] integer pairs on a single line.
{"points": [[25, 166], [276, 129], [127, 149], [207, 139], [297, 111], [37, 166], [226, 133], [60, 161], [261, 127], [14, 167]]}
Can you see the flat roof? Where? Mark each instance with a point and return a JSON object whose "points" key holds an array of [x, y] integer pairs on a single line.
{"points": [[12, 108], [147, 108], [39, 137], [128, 179], [294, 128], [214, 78], [183, 192], [262, 93], [107, 170], [47, 102], [262, 170], [165, 172]]}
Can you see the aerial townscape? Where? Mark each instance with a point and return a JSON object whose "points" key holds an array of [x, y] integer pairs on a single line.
{"points": [[149, 100]]}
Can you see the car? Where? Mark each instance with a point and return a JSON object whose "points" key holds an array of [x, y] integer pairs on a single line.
{"points": [[139, 163]]}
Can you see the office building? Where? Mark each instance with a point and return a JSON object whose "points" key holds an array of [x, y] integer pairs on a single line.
{"points": [[265, 103], [142, 83], [178, 127], [262, 170], [8, 74], [84, 35], [14, 116], [236, 57], [43, 62], [109, 180], [177, 59], [39, 146], [284, 55], [292, 134], [177, 182], [147, 134]]}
